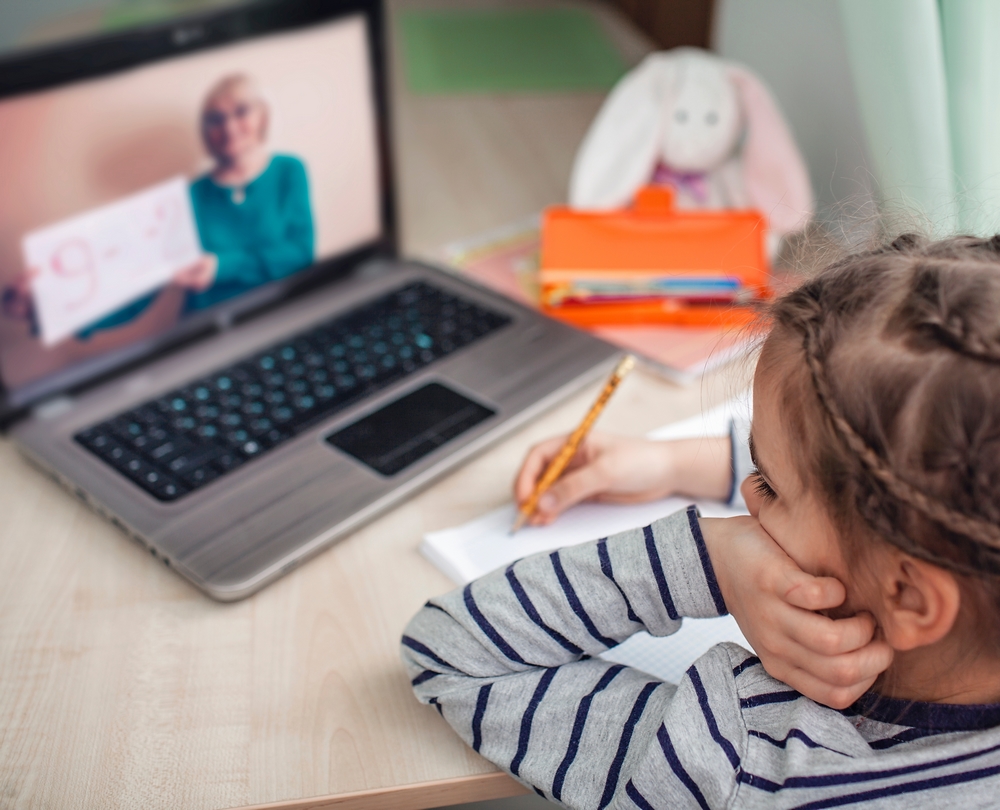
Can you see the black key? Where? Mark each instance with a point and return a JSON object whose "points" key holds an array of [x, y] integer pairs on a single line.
{"points": [[96, 440], [147, 414], [229, 461], [169, 490], [208, 431], [197, 457], [170, 449], [250, 448], [237, 437], [199, 476], [259, 426]]}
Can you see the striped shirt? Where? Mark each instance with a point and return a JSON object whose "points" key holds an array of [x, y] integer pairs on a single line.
{"points": [[508, 662]]}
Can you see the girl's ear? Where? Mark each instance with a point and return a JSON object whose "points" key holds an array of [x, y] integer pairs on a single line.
{"points": [[920, 602], [620, 150], [774, 174]]}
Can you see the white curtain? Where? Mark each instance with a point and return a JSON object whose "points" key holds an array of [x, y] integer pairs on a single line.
{"points": [[927, 76]]}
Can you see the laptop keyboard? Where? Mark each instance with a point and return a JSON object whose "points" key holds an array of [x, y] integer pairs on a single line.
{"points": [[182, 440]]}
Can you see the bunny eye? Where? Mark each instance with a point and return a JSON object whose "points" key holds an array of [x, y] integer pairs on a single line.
{"points": [[681, 116], [712, 119]]}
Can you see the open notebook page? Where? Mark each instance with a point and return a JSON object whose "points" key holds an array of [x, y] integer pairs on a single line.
{"points": [[475, 548]]}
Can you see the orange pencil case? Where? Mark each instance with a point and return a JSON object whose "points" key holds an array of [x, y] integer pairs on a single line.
{"points": [[652, 263]]}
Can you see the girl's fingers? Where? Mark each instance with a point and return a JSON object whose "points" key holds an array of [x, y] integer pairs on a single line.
{"points": [[821, 635], [534, 464], [572, 488], [832, 695], [812, 593], [850, 672]]}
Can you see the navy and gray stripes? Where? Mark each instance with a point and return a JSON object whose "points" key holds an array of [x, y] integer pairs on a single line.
{"points": [[589, 733], [658, 573], [575, 604], [529, 609], [611, 783], [578, 725], [608, 571], [489, 629], [477, 718], [528, 717], [706, 563]]}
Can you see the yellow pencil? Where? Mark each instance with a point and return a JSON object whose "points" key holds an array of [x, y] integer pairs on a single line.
{"points": [[565, 455]]}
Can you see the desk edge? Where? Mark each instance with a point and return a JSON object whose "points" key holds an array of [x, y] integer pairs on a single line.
{"points": [[416, 796]]}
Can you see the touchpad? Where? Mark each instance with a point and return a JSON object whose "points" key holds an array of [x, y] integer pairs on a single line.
{"points": [[406, 430]]}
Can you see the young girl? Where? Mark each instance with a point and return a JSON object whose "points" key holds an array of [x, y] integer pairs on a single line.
{"points": [[876, 439]]}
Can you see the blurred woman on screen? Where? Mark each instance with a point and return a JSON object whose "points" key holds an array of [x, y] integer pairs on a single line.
{"points": [[252, 208], [253, 215]]}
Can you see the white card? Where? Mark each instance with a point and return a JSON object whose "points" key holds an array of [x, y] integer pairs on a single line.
{"points": [[88, 266]]}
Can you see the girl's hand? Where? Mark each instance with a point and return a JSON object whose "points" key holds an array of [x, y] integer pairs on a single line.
{"points": [[618, 469], [200, 275], [774, 602]]}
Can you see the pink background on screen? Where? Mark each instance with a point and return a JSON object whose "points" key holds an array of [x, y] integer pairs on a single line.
{"points": [[70, 149]]}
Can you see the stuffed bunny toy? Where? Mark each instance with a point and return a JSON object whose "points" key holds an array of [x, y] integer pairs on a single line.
{"points": [[706, 127]]}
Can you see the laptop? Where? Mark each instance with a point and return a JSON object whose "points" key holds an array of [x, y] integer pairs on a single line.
{"points": [[205, 330]]}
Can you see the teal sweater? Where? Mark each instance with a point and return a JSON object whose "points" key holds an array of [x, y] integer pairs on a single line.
{"points": [[267, 236]]}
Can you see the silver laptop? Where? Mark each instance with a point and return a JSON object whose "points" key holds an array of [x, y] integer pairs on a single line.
{"points": [[205, 332]]}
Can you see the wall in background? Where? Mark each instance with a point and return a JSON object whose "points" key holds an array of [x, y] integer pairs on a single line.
{"points": [[799, 50], [670, 23]]}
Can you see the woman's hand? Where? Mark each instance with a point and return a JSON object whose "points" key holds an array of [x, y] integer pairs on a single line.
{"points": [[618, 469], [200, 275], [16, 301], [774, 602]]}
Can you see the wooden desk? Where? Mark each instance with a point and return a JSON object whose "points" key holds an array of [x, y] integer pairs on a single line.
{"points": [[121, 686]]}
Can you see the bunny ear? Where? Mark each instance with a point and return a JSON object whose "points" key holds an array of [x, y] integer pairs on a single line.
{"points": [[774, 175], [618, 154]]}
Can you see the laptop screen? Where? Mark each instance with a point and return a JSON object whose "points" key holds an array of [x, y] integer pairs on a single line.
{"points": [[137, 204]]}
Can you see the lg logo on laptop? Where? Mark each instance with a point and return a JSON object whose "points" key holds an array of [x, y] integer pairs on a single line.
{"points": [[187, 35]]}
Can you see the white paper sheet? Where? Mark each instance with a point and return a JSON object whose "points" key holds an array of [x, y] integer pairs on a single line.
{"points": [[466, 552], [86, 267]]}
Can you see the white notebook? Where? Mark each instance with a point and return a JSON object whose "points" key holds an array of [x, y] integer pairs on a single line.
{"points": [[475, 548]]}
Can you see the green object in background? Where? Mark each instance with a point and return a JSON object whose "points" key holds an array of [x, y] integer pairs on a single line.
{"points": [[507, 51], [125, 14]]}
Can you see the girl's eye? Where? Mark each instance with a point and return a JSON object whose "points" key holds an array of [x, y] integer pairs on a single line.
{"points": [[762, 488]]}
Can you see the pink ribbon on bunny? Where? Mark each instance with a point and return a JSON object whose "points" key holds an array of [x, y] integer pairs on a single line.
{"points": [[706, 127]]}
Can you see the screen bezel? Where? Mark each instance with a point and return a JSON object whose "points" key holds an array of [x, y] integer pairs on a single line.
{"points": [[49, 67]]}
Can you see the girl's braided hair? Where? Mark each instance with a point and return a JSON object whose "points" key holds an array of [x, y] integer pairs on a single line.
{"points": [[902, 367]]}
